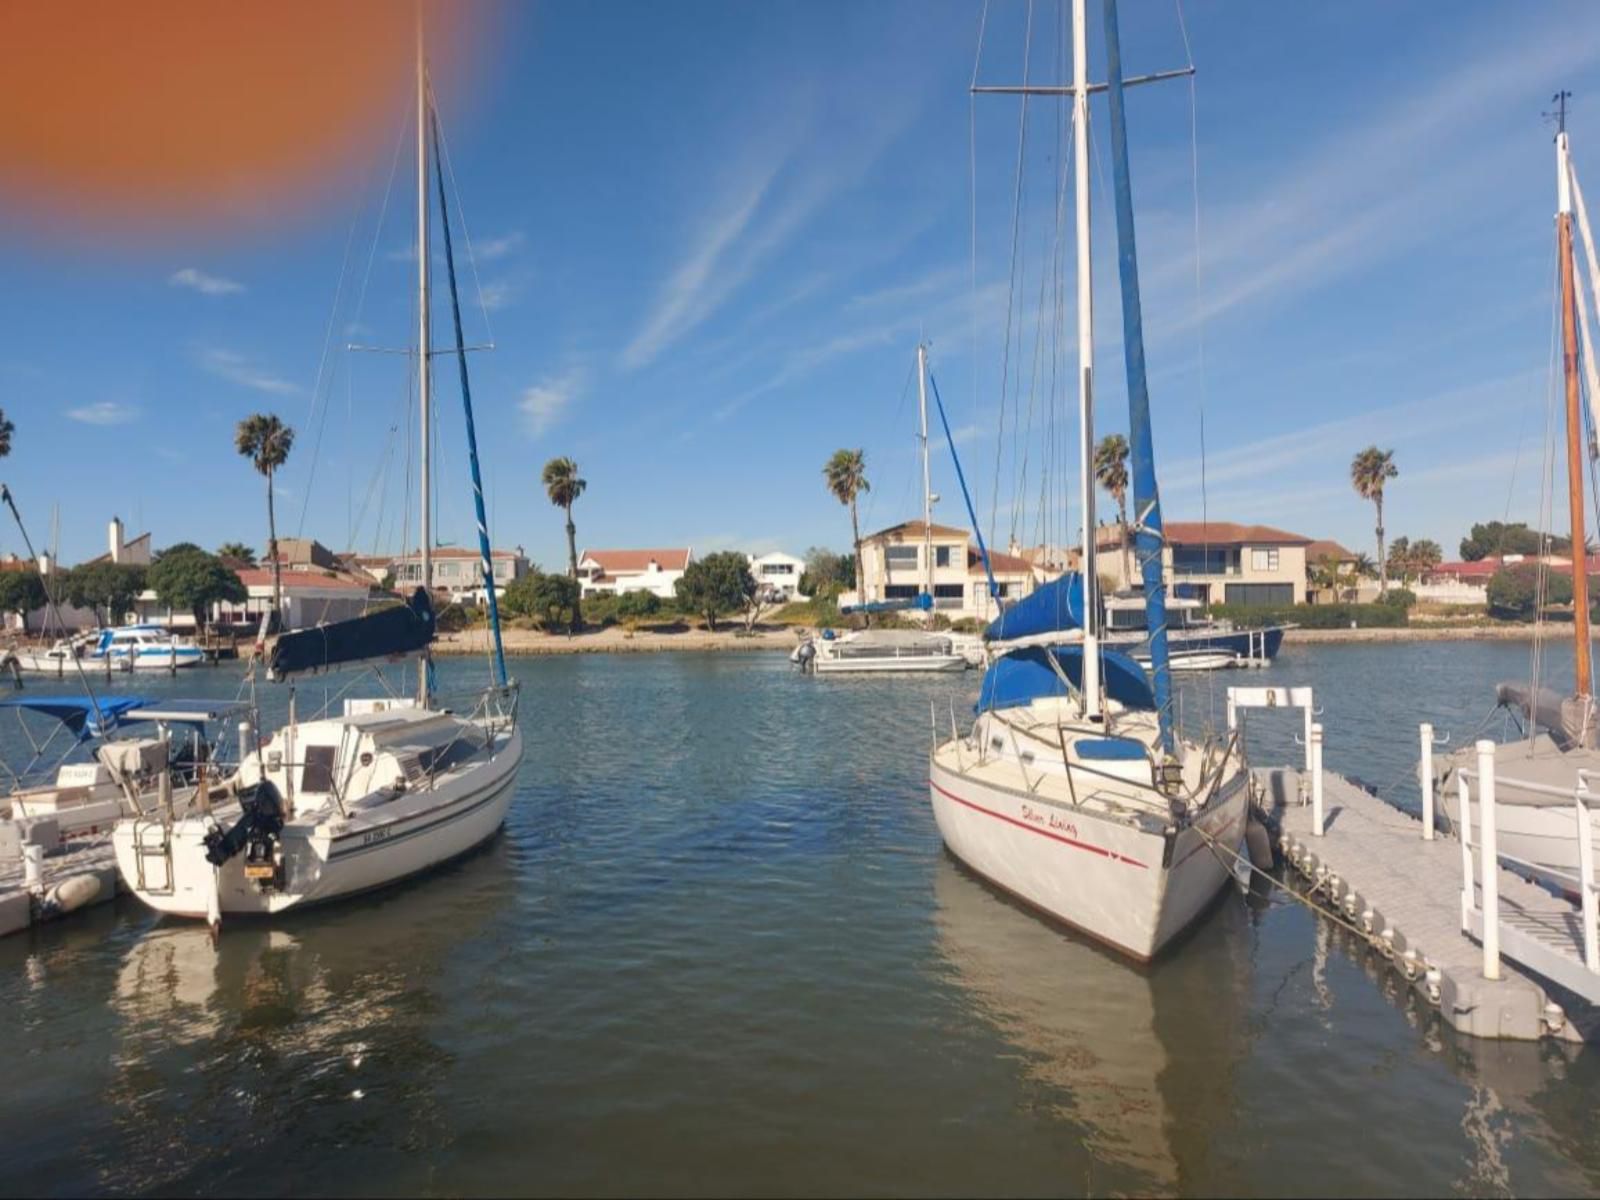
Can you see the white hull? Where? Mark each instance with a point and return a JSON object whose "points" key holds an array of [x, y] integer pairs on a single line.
{"points": [[1128, 887], [889, 666], [157, 660], [335, 858]]}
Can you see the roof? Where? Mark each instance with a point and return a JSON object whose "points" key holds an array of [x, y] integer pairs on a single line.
{"points": [[1322, 548], [130, 544], [915, 529], [1230, 533], [261, 577], [635, 561], [384, 560], [1001, 564]]}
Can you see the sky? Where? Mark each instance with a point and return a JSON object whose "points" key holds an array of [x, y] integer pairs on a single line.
{"points": [[705, 239]]}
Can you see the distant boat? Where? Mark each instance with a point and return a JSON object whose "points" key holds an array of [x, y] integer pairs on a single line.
{"points": [[1072, 790], [1194, 641], [390, 786], [887, 651], [144, 648]]}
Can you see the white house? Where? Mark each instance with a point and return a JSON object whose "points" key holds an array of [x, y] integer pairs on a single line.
{"points": [[457, 570], [778, 574], [895, 569], [612, 572]]}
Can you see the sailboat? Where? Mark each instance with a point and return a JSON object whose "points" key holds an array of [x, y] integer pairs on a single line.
{"points": [[1562, 733], [896, 651], [1072, 790], [392, 785]]}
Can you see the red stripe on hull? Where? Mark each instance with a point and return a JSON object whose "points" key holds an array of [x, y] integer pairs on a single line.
{"points": [[1055, 837]]}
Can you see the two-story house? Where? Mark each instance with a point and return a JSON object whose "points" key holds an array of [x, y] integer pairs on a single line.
{"points": [[457, 571], [778, 574], [895, 567], [612, 572], [1217, 562]]}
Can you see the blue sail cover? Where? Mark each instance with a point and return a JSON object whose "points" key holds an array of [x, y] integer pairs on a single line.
{"points": [[1050, 608], [1026, 675], [79, 714], [387, 635]]}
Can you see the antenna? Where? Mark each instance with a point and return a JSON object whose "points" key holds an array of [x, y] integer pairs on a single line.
{"points": [[1559, 116]]}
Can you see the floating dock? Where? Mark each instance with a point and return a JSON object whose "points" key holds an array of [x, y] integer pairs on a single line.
{"points": [[1372, 869], [62, 885]]}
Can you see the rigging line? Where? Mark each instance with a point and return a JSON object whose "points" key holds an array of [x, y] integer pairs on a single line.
{"points": [[461, 215], [1016, 219], [905, 391]]}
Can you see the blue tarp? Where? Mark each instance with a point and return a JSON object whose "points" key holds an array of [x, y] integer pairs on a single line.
{"points": [[1050, 608], [79, 713], [1026, 675], [921, 600]]}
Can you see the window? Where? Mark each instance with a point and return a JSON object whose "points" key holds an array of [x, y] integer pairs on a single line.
{"points": [[1200, 560], [949, 595], [317, 774], [941, 556], [777, 568], [901, 591], [445, 570], [1263, 560], [900, 556], [1260, 593]]}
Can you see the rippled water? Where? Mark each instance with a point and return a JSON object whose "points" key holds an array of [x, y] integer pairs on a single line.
{"points": [[719, 949]]}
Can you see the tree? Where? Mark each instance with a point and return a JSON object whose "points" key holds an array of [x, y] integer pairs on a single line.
{"points": [[846, 475], [239, 552], [107, 589], [1426, 554], [637, 605], [1513, 592], [266, 441], [21, 592], [1499, 538], [1365, 567], [1369, 471], [194, 580], [716, 584], [1325, 575], [1111, 472], [555, 601], [826, 574], [1398, 564], [563, 485]]}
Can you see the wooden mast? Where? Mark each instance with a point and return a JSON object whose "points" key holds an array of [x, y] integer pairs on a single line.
{"points": [[1569, 366]]}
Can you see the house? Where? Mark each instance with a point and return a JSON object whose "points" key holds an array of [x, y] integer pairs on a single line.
{"points": [[894, 565], [1216, 562], [778, 575], [1349, 583], [612, 572], [123, 550], [457, 571], [310, 597]]}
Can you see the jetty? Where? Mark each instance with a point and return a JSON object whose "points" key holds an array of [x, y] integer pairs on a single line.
{"points": [[42, 879], [1497, 955]]}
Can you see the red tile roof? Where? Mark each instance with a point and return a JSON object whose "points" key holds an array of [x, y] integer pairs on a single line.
{"points": [[1229, 533], [1323, 548], [1001, 564], [262, 577], [612, 562]]}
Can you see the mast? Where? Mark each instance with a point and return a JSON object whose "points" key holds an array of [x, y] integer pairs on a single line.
{"points": [[1569, 366], [424, 361], [1150, 540], [1080, 166], [927, 492]]}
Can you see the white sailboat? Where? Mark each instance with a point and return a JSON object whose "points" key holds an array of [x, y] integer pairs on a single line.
{"points": [[392, 786], [1562, 733], [1071, 791]]}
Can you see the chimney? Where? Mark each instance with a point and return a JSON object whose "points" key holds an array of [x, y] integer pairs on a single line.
{"points": [[115, 535], [44, 565]]}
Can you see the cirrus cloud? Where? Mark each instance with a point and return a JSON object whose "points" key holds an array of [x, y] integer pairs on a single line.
{"points": [[104, 412], [207, 285]]}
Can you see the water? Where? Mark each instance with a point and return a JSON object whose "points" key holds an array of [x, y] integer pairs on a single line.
{"points": [[719, 949]]}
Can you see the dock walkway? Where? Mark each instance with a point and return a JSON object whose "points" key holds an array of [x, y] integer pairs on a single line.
{"points": [[92, 856], [1373, 867]]}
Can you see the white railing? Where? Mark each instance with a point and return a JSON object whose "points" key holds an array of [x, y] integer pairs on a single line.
{"points": [[1485, 880]]}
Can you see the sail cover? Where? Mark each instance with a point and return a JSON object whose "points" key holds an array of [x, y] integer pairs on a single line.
{"points": [[1050, 608], [1026, 675], [388, 635]]}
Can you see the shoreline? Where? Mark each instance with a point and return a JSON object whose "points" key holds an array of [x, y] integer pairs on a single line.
{"points": [[522, 643]]}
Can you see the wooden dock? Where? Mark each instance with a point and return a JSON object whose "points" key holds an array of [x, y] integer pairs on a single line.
{"points": [[1374, 870], [22, 906]]}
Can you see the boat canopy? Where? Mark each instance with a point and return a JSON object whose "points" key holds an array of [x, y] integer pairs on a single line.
{"points": [[1028, 674], [387, 635], [1050, 608], [84, 717]]}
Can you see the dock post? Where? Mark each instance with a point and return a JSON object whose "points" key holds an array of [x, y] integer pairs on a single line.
{"points": [[244, 740], [1464, 819], [1315, 750], [1425, 781], [33, 866], [1488, 861], [1309, 727]]}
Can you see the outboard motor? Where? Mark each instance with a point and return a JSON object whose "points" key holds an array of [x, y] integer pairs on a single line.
{"points": [[803, 654], [255, 832]]}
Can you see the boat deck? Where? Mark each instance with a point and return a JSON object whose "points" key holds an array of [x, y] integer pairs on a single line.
{"points": [[1374, 868]]}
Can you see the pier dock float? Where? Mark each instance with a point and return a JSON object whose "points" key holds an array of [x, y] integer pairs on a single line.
{"points": [[64, 884], [1372, 867]]}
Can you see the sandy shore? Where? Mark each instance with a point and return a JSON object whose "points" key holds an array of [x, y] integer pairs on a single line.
{"points": [[616, 640], [1465, 633]]}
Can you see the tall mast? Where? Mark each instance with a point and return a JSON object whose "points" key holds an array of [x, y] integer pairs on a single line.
{"points": [[424, 352], [1569, 364], [1080, 148], [927, 492]]}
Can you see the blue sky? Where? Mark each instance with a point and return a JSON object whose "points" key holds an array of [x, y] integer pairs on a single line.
{"points": [[708, 237]]}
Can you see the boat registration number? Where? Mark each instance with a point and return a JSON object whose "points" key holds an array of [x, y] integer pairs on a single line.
{"points": [[260, 871], [375, 835]]}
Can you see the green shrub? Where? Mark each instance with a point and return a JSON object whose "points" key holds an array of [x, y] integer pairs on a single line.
{"points": [[967, 625], [1404, 597], [1312, 616]]}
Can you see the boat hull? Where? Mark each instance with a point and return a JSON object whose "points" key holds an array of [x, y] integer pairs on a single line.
{"points": [[890, 666], [1201, 650], [1133, 889], [325, 862]]}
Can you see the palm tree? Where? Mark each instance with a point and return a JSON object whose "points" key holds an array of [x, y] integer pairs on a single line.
{"points": [[563, 485], [237, 551], [846, 475], [1364, 566], [1369, 471], [1111, 470], [6, 430], [265, 440]]}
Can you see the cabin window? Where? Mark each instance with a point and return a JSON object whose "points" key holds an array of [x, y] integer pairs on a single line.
{"points": [[317, 774]]}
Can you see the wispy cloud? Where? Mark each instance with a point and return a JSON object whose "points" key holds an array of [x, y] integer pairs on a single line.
{"points": [[104, 412], [498, 247], [498, 294], [237, 369], [547, 401], [207, 285]]}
